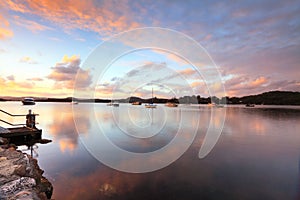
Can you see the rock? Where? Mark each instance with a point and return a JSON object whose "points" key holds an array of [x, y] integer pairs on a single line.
{"points": [[3, 141], [46, 187], [4, 130], [21, 171], [14, 187], [21, 177]]}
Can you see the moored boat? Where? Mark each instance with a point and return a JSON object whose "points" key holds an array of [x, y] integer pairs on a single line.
{"points": [[28, 101], [171, 104], [136, 103], [115, 104], [150, 105]]}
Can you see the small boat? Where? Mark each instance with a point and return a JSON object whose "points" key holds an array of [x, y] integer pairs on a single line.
{"points": [[28, 101], [250, 105], [171, 104], [74, 101], [113, 103], [150, 105], [220, 105], [136, 103]]}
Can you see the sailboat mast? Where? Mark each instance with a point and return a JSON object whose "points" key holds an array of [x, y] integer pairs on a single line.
{"points": [[152, 95]]}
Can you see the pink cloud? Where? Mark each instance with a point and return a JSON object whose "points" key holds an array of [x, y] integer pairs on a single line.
{"points": [[241, 85], [30, 25], [103, 17], [11, 77], [187, 71]]}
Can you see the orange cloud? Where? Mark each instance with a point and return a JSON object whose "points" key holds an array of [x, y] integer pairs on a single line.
{"points": [[259, 81], [187, 71], [5, 32], [9, 86], [105, 17], [11, 83], [67, 59]]}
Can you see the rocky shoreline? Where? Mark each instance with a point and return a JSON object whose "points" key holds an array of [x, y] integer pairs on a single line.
{"points": [[21, 177]]}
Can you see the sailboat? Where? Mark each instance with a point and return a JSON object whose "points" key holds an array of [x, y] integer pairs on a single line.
{"points": [[113, 103], [150, 105], [74, 101]]}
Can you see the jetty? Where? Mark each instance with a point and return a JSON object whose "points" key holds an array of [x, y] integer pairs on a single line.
{"points": [[26, 131]]}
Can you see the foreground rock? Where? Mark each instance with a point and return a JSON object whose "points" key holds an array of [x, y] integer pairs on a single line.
{"points": [[21, 177]]}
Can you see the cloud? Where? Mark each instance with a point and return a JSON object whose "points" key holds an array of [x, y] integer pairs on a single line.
{"points": [[27, 59], [10, 86], [165, 81], [15, 87], [5, 32], [30, 25], [80, 39], [172, 56], [2, 51], [187, 71], [249, 39], [241, 85], [35, 79], [11, 78], [55, 39], [65, 72], [105, 17], [258, 81]]}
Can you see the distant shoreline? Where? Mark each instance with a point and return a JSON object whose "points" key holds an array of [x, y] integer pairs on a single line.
{"points": [[267, 98]]}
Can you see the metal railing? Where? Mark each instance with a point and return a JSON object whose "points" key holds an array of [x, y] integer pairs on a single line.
{"points": [[11, 123], [30, 118], [13, 114]]}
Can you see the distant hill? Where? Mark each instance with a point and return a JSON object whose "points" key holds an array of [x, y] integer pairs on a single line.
{"points": [[267, 98]]}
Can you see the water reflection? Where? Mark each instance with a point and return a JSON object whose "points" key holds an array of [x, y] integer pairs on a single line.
{"points": [[64, 129], [256, 157], [121, 144]]}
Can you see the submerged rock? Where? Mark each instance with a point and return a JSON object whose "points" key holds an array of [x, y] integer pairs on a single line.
{"points": [[21, 177]]}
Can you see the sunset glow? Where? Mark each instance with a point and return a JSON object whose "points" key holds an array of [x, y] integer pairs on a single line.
{"points": [[43, 44]]}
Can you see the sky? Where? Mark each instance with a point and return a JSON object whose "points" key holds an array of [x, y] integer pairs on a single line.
{"points": [[46, 46]]}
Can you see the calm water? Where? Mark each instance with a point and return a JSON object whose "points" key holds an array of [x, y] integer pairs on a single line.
{"points": [[256, 157]]}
